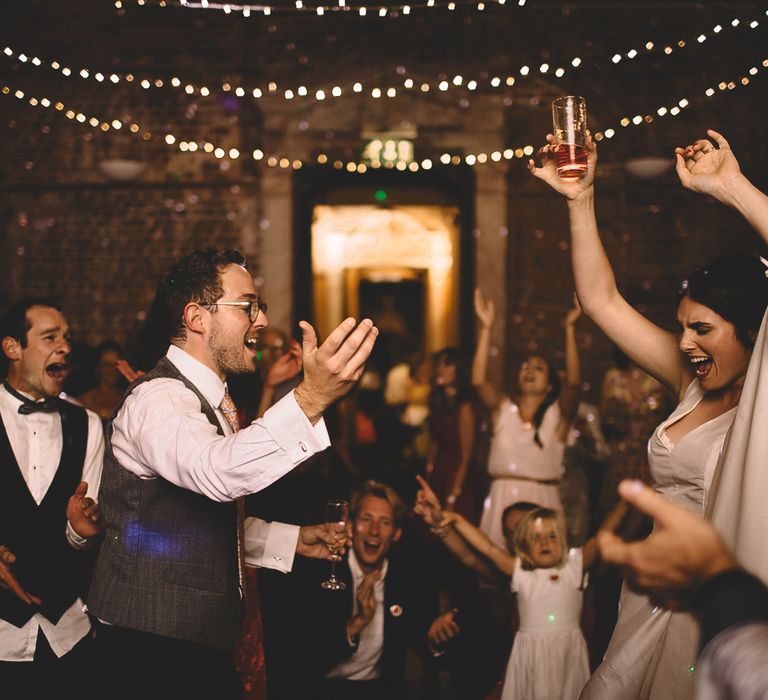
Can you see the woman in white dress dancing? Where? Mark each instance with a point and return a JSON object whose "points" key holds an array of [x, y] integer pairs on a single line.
{"points": [[528, 433], [652, 652]]}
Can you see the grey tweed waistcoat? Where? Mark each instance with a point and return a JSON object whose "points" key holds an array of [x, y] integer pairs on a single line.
{"points": [[168, 564]]}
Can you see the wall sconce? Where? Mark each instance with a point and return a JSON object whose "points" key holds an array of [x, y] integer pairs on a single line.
{"points": [[648, 167], [122, 170]]}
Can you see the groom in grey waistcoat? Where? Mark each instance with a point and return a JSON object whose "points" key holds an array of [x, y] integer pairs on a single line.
{"points": [[169, 578]]}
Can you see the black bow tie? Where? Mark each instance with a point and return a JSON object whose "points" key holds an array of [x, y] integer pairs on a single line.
{"points": [[28, 406]]}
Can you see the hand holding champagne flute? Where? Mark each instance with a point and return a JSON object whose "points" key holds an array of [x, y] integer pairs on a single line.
{"points": [[336, 513]]}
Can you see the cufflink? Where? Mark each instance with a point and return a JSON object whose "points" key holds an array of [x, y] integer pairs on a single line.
{"points": [[302, 446], [395, 610]]}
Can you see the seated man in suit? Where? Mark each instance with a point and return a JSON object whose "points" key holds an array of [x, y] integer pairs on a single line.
{"points": [[359, 636]]}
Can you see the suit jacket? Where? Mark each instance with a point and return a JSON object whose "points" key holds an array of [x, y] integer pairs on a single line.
{"points": [[314, 624]]}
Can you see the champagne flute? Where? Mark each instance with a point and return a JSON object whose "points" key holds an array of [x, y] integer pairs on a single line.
{"points": [[336, 511]]}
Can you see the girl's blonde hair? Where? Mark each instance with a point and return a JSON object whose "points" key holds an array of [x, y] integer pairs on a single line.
{"points": [[524, 531]]}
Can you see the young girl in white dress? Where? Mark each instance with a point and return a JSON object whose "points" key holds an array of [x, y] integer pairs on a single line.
{"points": [[525, 462], [549, 655], [652, 654]]}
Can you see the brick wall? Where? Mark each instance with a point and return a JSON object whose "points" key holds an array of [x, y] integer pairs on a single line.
{"points": [[100, 246]]}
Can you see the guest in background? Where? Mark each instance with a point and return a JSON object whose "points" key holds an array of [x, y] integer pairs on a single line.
{"points": [[105, 396], [351, 644], [632, 404], [452, 469], [279, 366], [528, 433]]}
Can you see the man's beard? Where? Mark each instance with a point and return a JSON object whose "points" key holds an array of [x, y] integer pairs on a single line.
{"points": [[229, 358]]}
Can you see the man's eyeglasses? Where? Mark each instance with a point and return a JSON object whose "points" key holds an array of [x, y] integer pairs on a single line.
{"points": [[252, 308]]}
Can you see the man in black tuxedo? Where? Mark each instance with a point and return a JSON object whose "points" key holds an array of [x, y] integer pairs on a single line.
{"points": [[51, 454], [353, 642]]}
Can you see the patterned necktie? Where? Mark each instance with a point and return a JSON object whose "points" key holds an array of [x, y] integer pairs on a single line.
{"points": [[227, 407]]}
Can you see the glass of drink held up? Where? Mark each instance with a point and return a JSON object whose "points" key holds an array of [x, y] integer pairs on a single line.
{"points": [[336, 513], [569, 124]]}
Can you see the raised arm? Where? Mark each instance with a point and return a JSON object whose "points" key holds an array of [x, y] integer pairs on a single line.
{"points": [[502, 559], [486, 315], [571, 391], [286, 367], [648, 345], [712, 169], [610, 524], [429, 508]]}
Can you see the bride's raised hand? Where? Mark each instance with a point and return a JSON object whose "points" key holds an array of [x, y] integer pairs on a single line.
{"points": [[547, 171], [704, 167]]}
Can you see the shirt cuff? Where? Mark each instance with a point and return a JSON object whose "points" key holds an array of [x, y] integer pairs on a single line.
{"points": [[270, 545], [74, 539], [730, 598], [291, 429]]}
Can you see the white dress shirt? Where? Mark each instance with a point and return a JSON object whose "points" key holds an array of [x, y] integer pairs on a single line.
{"points": [[36, 440], [160, 431], [363, 665]]}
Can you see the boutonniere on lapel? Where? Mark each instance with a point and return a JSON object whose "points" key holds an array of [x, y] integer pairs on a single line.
{"points": [[395, 610]]}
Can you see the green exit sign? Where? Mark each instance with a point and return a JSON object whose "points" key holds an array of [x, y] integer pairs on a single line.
{"points": [[388, 148]]}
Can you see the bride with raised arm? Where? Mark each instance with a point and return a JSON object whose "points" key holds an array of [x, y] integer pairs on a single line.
{"points": [[720, 306]]}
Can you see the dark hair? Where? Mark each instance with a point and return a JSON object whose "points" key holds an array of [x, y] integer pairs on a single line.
{"points": [[15, 323], [378, 490], [521, 506], [552, 395], [196, 277], [439, 400], [734, 286]]}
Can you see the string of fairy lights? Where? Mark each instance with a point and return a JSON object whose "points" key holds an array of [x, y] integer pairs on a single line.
{"points": [[408, 84], [446, 159], [320, 9]]}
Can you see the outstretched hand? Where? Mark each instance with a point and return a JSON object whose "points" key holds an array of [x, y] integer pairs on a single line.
{"points": [[428, 505], [443, 628], [572, 188], [706, 167], [129, 374], [83, 513], [332, 369], [484, 309], [8, 580], [683, 550]]}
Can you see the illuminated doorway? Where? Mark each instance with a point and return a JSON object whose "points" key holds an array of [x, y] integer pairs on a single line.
{"points": [[397, 265]]}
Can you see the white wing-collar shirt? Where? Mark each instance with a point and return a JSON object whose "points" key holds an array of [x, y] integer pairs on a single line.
{"points": [[160, 431], [36, 440]]}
